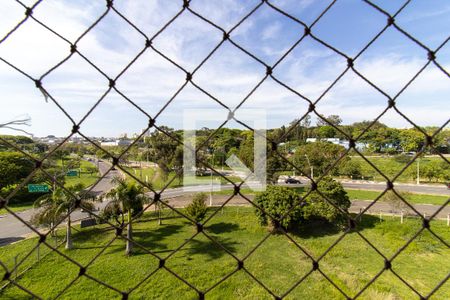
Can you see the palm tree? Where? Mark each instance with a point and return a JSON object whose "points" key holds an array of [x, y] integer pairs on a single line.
{"points": [[56, 206], [126, 198]]}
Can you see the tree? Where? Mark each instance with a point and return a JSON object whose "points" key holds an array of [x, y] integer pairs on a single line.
{"points": [[298, 130], [350, 168], [317, 207], [277, 201], [163, 148], [14, 167], [320, 155], [246, 151], [273, 163], [332, 119], [224, 140], [73, 163], [197, 208], [126, 198], [101, 154], [91, 169], [411, 140], [432, 171], [56, 206], [326, 131]]}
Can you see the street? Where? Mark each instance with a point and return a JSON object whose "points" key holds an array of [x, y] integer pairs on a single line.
{"points": [[11, 229]]}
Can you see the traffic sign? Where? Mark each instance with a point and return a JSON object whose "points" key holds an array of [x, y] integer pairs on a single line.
{"points": [[72, 173], [38, 188]]}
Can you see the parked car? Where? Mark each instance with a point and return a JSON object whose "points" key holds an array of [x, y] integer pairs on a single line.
{"points": [[291, 180], [412, 153], [448, 185]]}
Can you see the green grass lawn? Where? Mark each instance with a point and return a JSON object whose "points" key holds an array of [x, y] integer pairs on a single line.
{"points": [[158, 182], [17, 207], [410, 197], [278, 263], [153, 177], [84, 177], [391, 167]]}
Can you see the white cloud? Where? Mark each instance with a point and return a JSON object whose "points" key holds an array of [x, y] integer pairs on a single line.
{"points": [[271, 31]]}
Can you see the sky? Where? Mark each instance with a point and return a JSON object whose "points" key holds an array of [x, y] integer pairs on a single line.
{"points": [[229, 74]]}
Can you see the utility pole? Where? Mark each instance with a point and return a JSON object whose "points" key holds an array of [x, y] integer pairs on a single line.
{"points": [[310, 166], [210, 191], [418, 171], [211, 185]]}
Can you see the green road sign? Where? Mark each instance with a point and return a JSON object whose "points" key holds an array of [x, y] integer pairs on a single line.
{"points": [[72, 173], [37, 188]]}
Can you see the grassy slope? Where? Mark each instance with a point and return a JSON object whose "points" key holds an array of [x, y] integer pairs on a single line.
{"points": [[277, 263], [390, 167], [158, 182], [410, 197], [85, 178]]}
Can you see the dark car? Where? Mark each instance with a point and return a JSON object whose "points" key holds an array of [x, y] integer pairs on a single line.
{"points": [[448, 185], [292, 181]]}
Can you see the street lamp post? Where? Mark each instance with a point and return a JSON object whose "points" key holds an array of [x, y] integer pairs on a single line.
{"points": [[211, 186], [418, 171], [293, 168], [310, 166], [210, 191]]}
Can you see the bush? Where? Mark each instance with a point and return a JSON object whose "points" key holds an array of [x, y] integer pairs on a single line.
{"points": [[277, 201], [197, 208], [21, 196], [14, 167], [318, 208]]}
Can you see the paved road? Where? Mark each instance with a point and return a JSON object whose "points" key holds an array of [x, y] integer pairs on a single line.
{"points": [[11, 229]]}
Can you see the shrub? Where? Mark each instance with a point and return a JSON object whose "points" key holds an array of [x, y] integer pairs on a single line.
{"points": [[21, 196], [318, 208], [277, 201], [197, 208]]}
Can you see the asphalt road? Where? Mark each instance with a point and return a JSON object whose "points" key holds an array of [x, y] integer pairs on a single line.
{"points": [[11, 229]]}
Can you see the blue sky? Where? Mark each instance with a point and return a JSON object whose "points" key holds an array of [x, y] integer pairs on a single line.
{"points": [[229, 75]]}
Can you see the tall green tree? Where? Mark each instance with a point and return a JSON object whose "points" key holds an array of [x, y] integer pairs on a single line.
{"points": [[318, 155], [14, 167], [411, 140], [332, 119], [127, 198], [54, 207], [163, 148]]}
